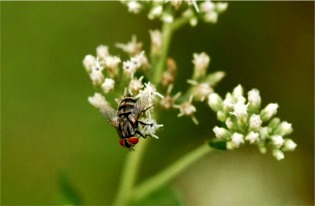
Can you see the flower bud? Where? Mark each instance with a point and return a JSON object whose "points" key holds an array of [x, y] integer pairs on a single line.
{"points": [[254, 100], [284, 128], [108, 85], [252, 137], [215, 102], [97, 100], [278, 154], [269, 111], [277, 140], [221, 132], [255, 122], [237, 139], [289, 145], [237, 91]]}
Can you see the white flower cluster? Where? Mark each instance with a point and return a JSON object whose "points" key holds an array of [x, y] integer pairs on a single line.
{"points": [[244, 122], [108, 75], [168, 10]]}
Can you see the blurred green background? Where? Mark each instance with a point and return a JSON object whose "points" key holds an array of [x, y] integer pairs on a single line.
{"points": [[48, 128]]}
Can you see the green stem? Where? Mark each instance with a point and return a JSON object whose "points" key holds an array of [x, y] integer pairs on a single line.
{"points": [[160, 179], [167, 32], [129, 174], [166, 39]]}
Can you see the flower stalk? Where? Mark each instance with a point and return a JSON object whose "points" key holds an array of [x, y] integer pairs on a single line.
{"points": [[163, 177], [129, 175]]}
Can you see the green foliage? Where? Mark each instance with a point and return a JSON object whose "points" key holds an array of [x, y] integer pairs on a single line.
{"points": [[218, 144], [69, 194]]}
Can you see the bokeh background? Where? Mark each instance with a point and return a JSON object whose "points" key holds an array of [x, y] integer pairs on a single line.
{"points": [[51, 136]]}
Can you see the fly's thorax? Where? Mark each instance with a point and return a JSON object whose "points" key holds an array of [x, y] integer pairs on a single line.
{"points": [[126, 105]]}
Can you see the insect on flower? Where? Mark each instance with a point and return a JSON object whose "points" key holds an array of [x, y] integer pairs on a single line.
{"points": [[126, 119]]}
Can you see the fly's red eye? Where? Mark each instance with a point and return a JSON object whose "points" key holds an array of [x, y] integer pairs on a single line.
{"points": [[121, 142], [133, 140]]}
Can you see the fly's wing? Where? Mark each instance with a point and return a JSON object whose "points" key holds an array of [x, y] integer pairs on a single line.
{"points": [[109, 114], [141, 105]]}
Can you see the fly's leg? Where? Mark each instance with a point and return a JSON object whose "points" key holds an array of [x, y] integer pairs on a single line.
{"points": [[143, 111], [145, 124]]}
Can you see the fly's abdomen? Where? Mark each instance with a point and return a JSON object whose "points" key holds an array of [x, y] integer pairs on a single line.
{"points": [[126, 129]]}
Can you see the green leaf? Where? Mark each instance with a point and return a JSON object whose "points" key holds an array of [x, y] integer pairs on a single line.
{"points": [[69, 194], [165, 196], [218, 144]]}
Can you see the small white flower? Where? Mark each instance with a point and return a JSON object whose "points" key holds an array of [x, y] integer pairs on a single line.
{"points": [[262, 148], [97, 65], [255, 122], [112, 61], [220, 132], [221, 6], [187, 109], [155, 12], [97, 100], [167, 18], [176, 3], [132, 48], [252, 137], [269, 111], [238, 92], [278, 154], [102, 51], [134, 7], [168, 101], [149, 91], [284, 128], [156, 41], [108, 85], [237, 139], [193, 22], [211, 17], [229, 123], [129, 68], [137, 59], [228, 102], [277, 140], [97, 76], [264, 133], [240, 108], [289, 145], [207, 6], [215, 102], [221, 116], [230, 145], [135, 85], [201, 62], [88, 62], [201, 90], [254, 98], [150, 130]]}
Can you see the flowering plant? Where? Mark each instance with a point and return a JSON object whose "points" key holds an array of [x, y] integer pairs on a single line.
{"points": [[152, 74]]}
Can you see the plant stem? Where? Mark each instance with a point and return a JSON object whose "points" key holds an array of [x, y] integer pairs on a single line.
{"points": [[167, 33], [166, 39], [129, 174], [170, 172]]}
